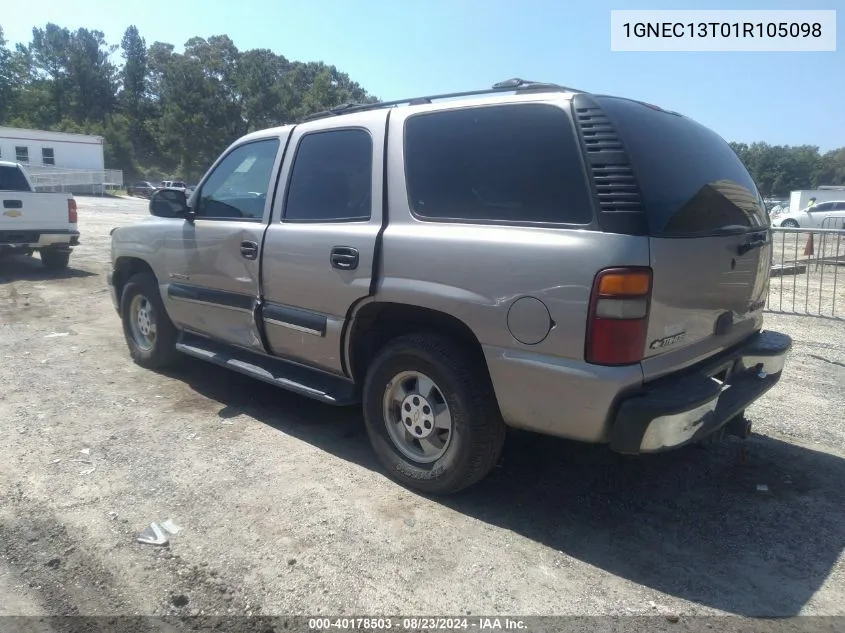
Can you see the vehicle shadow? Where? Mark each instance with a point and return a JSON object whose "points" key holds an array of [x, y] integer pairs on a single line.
{"points": [[690, 523], [18, 267]]}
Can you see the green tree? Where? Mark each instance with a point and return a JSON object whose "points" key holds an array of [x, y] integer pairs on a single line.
{"points": [[133, 93], [49, 53], [831, 169], [7, 79], [91, 77]]}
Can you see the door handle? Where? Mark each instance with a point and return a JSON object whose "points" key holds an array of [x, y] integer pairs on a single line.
{"points": [[249, 249], [344, 258]]}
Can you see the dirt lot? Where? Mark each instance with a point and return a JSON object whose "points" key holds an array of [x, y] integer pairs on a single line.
{"points": [[284, 509]]}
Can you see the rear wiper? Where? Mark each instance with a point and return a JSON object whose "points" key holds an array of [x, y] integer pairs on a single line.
{"points": [[732, 229]]}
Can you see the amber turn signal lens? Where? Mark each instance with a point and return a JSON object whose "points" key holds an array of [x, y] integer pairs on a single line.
{"points": [[624, 284]]}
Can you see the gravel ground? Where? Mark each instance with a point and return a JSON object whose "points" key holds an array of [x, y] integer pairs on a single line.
{"points": [[284, 509]]}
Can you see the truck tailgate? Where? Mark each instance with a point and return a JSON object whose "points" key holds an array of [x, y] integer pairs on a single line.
{"points": [[25, 211], [708, 294]]}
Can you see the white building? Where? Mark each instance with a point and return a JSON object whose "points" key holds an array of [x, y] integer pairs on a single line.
{"points": [[59, 160]]}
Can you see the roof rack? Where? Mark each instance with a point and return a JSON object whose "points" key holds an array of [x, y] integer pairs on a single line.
{"points": [[509, 85]]}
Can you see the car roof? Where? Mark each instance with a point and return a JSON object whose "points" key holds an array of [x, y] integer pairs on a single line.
{"points": [[510, 91]]}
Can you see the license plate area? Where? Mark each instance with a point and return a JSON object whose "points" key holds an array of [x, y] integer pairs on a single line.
{"points": [[18, 237]]}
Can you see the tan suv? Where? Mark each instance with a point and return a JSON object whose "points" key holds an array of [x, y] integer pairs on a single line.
{"points": [[531, 256]]}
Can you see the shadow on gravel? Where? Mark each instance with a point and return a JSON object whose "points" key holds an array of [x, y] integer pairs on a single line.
{"points": [[691, 523], [18, 267]]}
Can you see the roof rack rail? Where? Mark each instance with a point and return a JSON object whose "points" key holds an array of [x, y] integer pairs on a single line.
{"points": [[509, 85]]}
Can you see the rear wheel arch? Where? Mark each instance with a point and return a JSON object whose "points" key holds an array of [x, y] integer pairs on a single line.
{"points": [[377, 323]]}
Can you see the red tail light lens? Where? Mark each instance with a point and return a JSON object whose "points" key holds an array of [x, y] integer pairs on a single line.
{"points": [[618, 318], [71, 211]]}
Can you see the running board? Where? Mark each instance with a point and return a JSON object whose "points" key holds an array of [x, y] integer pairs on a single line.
{"points": [[276, 371]]}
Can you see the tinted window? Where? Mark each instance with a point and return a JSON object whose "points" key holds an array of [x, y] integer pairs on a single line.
{"points": [[238, 186], [515, 163], [691, 181], [12, 179], [839, 206], [331, 178], [824, 206]]}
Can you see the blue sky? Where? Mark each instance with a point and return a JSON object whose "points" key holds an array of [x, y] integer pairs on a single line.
{"points": [[402, 48]]}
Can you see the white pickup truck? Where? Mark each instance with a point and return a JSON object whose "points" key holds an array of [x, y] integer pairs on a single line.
{"points": [[30, 221]]}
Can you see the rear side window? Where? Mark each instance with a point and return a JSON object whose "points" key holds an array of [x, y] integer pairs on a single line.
{"points": [[691, 181], [12, 179], [510, 164]]}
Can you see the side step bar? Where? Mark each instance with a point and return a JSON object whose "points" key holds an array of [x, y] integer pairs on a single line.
{"points": [[276, 371]]}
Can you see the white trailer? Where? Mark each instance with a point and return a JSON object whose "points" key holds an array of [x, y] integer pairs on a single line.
{"points": [[798, 200], [41, 148], [59, 161]]}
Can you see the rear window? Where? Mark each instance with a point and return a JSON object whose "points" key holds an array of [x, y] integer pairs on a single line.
{"points": [[12, 179], [508, 163], [691, 181]]}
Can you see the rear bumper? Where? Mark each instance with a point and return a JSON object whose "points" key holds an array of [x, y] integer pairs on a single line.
{"points": [[679, 410], [38, 239]]}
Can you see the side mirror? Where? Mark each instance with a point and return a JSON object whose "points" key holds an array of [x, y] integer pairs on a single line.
{"points": [[169, 203]]}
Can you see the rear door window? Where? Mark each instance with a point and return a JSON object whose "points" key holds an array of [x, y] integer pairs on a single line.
{"points": [[691, 181], [331, 179], [505, 164]]}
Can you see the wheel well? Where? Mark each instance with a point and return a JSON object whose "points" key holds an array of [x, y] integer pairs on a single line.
{"points": [[124, 269], [376, 324]]}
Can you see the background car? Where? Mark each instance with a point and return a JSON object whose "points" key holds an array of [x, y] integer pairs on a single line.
{"points": [[173, 184], [813, 217], [141, 188]]}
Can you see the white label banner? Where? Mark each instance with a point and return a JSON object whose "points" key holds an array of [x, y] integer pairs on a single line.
{"points": [[727, 30]]}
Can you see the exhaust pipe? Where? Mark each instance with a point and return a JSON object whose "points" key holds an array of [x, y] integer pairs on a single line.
{"points": [[740, 427]]}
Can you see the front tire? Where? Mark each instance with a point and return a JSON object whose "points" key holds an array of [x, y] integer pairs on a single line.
{"points": [[149, 332], [431, 414], [53, 259], [789, 224]]}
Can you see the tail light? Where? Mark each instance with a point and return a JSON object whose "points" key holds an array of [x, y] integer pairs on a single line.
{"points": [[618, 318], [71, 211]]}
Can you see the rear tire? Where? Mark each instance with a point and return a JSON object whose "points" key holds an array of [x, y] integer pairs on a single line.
{"points": [[149, 332], [53, 259], [431, 414], [789, 224]]}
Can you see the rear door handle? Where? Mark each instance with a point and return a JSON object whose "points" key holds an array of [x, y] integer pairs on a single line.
{"points": [[249, 249], [344, 258], [753, 242]]}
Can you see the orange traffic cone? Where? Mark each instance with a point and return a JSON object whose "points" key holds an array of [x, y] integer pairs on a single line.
{"points": [[808, 249]]}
